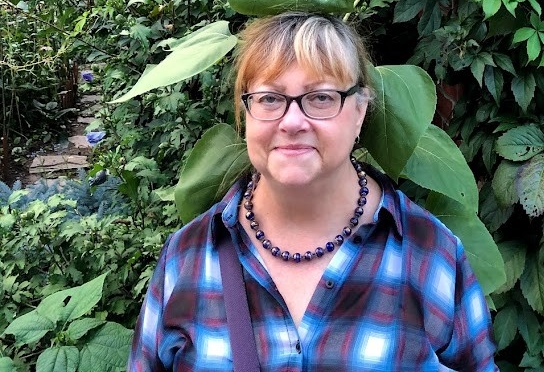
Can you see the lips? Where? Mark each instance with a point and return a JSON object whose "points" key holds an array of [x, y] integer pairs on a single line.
{"points": [[294, 149]]}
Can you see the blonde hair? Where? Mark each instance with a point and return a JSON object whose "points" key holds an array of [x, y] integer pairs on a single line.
{"points": [[320, 44]]}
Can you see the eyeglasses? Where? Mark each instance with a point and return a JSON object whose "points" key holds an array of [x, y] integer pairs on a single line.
{"points": [[317, 104]]}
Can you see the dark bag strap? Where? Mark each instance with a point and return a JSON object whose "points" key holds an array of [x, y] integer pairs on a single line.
{"points": [[242, 339]]}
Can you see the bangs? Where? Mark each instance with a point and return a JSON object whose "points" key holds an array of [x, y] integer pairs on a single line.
{"points": [[314, 47]]}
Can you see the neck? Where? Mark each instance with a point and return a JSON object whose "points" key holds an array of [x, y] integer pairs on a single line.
{"points": [[322, 201]]}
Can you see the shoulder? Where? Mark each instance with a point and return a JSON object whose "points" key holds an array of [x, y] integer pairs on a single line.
{"points": [[421, 227], [199, 232], [417, 228]]}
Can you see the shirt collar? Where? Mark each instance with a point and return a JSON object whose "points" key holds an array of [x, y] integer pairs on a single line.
{"points": [[390, 203]]}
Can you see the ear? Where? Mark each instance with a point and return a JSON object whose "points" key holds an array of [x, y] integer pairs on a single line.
{"points": [[361, 109]]}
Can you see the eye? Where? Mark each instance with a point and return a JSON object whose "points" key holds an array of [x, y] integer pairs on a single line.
{"points": [[320, 97], [269, 99]]}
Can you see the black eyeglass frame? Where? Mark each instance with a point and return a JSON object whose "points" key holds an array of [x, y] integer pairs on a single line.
{"points": [[298, 99]]}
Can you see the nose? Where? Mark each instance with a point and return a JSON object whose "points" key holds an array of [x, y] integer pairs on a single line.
{"points": [[294, 119]]}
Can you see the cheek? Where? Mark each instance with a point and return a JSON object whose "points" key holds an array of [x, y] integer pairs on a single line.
{"points": [[256, 139]]}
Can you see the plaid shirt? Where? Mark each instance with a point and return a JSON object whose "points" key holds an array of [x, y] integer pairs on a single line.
{"points": [[398, 295]]}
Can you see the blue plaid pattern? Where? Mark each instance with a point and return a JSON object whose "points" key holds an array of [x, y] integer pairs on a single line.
{"points": [[403, 298]]}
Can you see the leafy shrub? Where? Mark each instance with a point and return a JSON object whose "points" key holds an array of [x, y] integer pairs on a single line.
{"points": [[55, 237]]}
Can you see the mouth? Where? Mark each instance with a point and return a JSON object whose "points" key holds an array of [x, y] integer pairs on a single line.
{"points": [[294, 149]]}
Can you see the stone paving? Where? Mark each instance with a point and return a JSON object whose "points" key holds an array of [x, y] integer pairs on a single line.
{"points": [[74, 155]]}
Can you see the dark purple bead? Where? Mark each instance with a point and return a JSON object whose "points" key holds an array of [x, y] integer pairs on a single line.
{"points": [[296, 257], [358, 167], [259, 234], [361, 174], [248, 205], [254, 225], [267, 244], [353, 221], [250, 185], [275, 251], [285, 255], [329, 246], [363, 191], [359, 211], [363, 182], [361, 201], [353, 161], [346, 231], [250, 216], [308, 256], [319, 252], [339, 239], [247, 194]]}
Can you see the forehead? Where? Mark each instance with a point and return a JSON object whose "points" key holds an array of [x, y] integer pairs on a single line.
{"points": [[295, 77]]}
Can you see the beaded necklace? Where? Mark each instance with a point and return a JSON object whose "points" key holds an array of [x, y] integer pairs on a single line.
{"points": [[319, 251]]}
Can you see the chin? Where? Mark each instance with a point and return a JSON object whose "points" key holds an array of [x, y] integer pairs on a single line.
{"points": [[293, 177]]}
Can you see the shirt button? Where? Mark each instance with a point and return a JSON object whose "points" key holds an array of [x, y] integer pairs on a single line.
{"points": [[329, 284], [297, 346], [357, 239]]}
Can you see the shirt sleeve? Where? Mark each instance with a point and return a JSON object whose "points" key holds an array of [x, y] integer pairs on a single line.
{"points": [[144, 353], [472, 346]]}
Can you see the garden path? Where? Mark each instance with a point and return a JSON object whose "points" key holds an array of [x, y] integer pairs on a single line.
{"points": [[71, 154]]}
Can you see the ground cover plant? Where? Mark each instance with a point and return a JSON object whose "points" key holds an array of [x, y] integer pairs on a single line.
{"points": [[483, 58]]}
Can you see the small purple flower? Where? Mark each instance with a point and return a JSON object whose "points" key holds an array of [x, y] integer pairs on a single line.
{"points": [[87, 76]]}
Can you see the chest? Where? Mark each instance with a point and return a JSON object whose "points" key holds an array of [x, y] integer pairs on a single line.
{"points": [[353, 326]]}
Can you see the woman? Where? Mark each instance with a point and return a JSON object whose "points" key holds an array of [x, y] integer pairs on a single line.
{"points": [[341, 271]]}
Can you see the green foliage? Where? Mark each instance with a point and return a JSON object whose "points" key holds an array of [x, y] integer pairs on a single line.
{"points": [[493, 50], [404, 109], [77, 343], [268, 7], [218, 159], [200, 49], [54, 240], [35, 72]]}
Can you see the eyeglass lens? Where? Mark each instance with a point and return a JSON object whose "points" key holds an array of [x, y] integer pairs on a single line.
{"points": [[321, 104]]}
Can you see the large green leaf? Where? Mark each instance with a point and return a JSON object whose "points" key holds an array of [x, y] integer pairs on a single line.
{"points": [[191, 55], [438, 165], [521, 143], [532, 281], [503, 187], [30, 327], [216, 161], [481, 250], [404, 107], [107, 350], [58, 359], [505, 326], [79, 327], [72, 303], [7, 365], [530, 186], [513, 255]]}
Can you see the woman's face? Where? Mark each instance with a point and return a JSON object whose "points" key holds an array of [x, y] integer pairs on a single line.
{"points": [[296, 150]]}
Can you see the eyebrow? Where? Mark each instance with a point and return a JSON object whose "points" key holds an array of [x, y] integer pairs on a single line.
{"points": [[308, 87]]}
